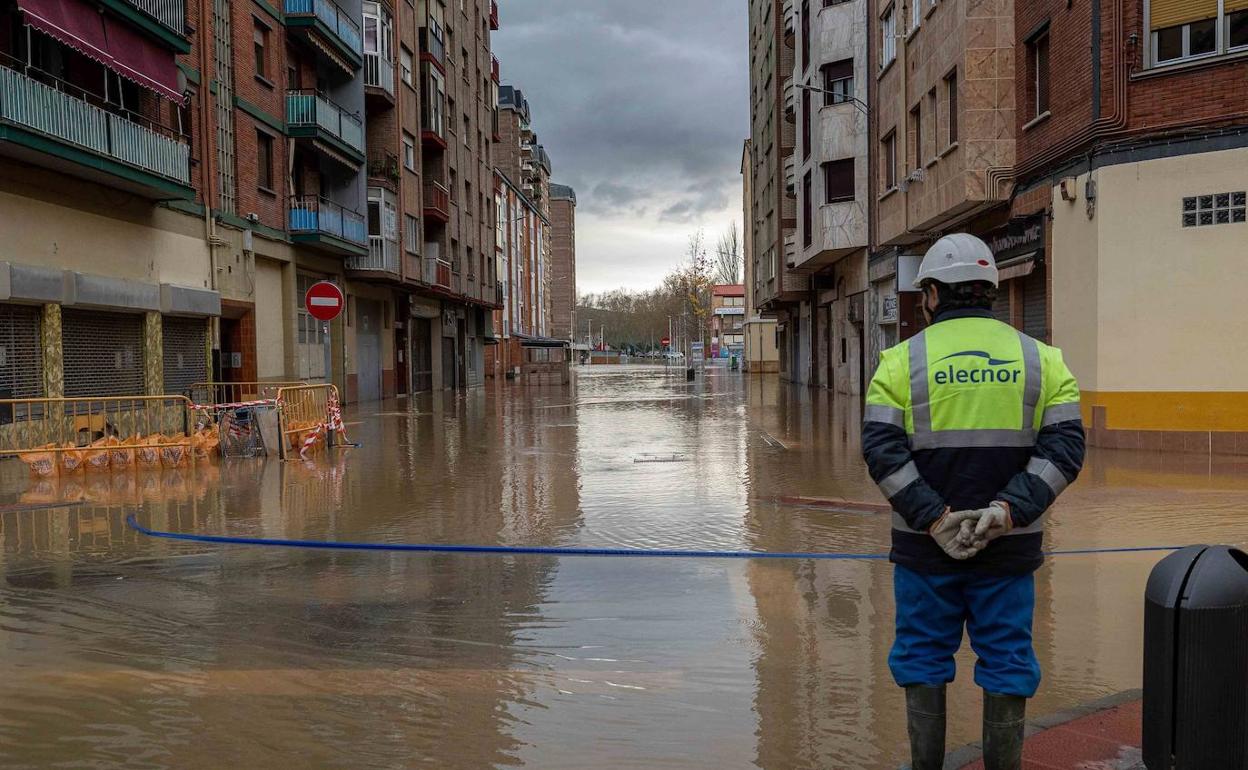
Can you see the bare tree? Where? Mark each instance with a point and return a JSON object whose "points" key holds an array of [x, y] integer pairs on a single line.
{"points": [[728, 256]]}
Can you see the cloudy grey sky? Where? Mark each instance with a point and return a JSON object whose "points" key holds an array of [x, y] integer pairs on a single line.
{"points": [[643, 106]]}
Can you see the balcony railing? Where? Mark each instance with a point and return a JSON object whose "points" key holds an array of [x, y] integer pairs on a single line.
{"points": [[171, 13], [437, 200], [383, 256], [494, 68], [498, 293], [337, 20], [307, 108], [314, 214], [430, 44], [494, 14], [48, 110], [437, 272], [379, 72]]}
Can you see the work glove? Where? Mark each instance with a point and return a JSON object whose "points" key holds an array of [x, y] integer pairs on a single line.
{"points": [[952, 528], [994, 521]]}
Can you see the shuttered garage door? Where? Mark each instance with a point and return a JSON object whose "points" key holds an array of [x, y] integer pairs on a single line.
{"points": [[103, 353], [1035, 323], [21, 355], [184, 352]]}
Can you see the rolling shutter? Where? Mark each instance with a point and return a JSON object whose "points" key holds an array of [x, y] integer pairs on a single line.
{"points": [[103, 353], [184, 350], [1035, 323], [21, 355], [1230, 6], [1170, 13], [1001, 305]]}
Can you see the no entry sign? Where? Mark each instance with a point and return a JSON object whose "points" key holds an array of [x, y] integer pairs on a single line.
{"points": [[324, 301], [666, 341]]}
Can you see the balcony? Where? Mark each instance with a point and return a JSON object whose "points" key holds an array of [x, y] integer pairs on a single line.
{"points": [[437, 202], [790, 23], [164, 20], [333, 25], [379, 74], [310, 115], [432, 49], [45, 124], [790, 99], [382, 258], [437, 272], [494, 68], [498, 293], [494, 15], [790, 176], [318, 222]]}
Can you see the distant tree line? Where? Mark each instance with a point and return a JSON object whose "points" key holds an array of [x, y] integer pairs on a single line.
{"points": [[637, 321]]}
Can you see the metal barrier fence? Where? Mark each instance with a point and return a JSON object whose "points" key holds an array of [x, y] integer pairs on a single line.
{"points": [[213, 393], [68, 424], [306, 417]]}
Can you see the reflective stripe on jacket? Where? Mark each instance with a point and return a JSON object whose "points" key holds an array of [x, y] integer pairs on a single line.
{"points": [[967, 412]]}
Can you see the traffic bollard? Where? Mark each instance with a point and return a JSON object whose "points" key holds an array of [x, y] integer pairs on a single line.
{"points": [[1196, 661]]}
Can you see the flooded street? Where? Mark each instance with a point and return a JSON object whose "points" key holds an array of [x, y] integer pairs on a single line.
{"points": [[121, 650]]}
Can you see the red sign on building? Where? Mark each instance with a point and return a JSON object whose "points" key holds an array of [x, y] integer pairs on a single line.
{"points": [[324, 301]]}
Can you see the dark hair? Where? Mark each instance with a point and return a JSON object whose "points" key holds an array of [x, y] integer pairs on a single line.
{"points": [[977, 295]]}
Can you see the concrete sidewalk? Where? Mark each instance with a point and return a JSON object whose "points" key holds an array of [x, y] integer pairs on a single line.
{"points": [[1102, 735]]}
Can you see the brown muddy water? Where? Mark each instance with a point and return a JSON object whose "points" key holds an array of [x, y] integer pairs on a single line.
{"points": [[122, 651]]}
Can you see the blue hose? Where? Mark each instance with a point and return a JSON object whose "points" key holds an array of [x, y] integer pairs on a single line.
{"points": [[538, 551]]}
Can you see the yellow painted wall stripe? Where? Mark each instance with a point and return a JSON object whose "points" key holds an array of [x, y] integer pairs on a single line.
{"points": [[1169, 411]]}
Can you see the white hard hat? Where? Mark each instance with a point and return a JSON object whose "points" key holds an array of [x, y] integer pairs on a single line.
{"points": [[958, 258]]}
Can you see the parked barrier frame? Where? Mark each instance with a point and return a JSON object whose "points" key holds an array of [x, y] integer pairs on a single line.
{"points": [[30, 424]]}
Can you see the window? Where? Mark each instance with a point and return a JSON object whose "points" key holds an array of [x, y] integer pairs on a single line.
{"points": [[807, 121], [838, 181], [454, 186], [1219, 209], [888, 37], [405, 64], [260, 37], [805, 35], [467, 132], [411, 234], [951, 108], [916, 14], [1038, 64], [1237, 28], [933, 120], [916, 137], [409, 152], [838, 82], [264, 161], [1188, 29], [888, 156], [807, 218]]}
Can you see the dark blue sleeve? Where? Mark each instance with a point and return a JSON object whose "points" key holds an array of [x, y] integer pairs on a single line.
{"points": [[1055, 464], [886, 450]]}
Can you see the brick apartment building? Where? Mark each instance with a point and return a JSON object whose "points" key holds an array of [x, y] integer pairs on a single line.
{"points": [[174, 175], [1095, 147]]}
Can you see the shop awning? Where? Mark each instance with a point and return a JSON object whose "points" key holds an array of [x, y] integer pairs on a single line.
{"points": [[109, 41], [532, 341], [1019, 267]]}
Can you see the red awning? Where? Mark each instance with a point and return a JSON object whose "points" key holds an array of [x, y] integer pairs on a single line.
{"points": [[110, 41]]}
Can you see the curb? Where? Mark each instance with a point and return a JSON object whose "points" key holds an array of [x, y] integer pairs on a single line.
{"points": [[964, 755]]}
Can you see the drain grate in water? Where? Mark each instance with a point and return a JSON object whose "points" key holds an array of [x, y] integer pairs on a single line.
{"points": [[656, 458]]}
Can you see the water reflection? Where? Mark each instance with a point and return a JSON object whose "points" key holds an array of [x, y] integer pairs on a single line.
{"points": [[122, 650]]}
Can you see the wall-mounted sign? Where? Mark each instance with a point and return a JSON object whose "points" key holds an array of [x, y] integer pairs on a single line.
{"points": [[1019, 237], [888, 309]]}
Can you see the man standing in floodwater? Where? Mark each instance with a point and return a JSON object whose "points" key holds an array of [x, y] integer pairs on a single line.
{"points": [[971, 430]]}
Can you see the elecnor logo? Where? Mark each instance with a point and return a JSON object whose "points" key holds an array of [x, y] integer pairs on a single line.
{"points": [[996, 373]]}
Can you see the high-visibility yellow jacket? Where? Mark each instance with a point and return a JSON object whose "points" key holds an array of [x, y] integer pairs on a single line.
{"points": [[967, 412]]}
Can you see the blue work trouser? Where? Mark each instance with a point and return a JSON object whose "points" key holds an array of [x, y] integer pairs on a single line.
{"points": [[997, 611]]}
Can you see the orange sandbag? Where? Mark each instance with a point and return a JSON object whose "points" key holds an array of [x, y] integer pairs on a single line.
{"points": [[42, 492], [148, 455], [42, 462], [96, 455], [176, 455], [122, 455], [71, 458]]}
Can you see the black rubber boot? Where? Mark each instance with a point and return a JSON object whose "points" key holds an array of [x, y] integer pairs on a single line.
{"points": [[1004, 720], [925, 721]]}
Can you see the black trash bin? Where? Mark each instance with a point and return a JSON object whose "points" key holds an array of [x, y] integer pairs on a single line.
{"points": [[1196, 661]]}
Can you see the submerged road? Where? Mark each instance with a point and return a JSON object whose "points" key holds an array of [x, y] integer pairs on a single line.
{"points": [[125, 650]]}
